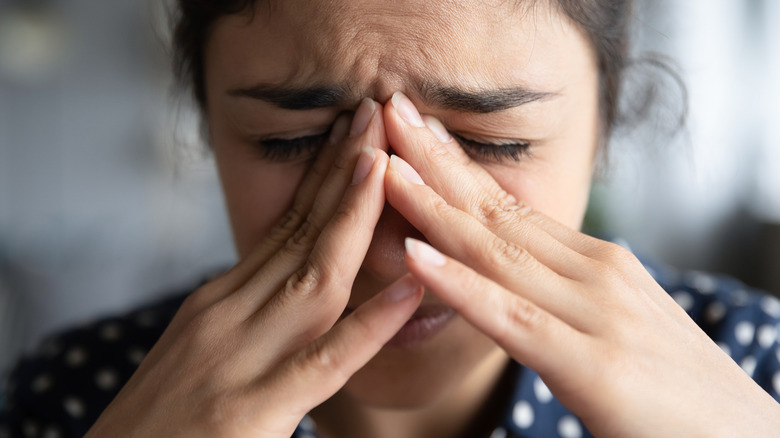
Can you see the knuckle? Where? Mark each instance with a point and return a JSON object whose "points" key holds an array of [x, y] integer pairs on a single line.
{"points": [[305, 281], [502, 209], [304, 237], [521, 314], [342, 163], [205, 324], [324, 361], [439, 206], [199, 300], [503, 253], [291, 220], [617, 256]]}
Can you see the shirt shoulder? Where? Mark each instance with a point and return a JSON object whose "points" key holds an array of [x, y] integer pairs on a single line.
{"points": [[61, 388]]}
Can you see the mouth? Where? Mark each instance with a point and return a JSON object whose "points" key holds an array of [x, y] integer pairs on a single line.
{"points": [[424, 325]]}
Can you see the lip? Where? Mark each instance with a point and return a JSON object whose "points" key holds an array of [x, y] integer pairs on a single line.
{"points": [[424, 324]]}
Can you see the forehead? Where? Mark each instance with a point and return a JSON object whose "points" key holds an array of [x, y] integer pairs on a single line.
{"points": [[380, 46]]}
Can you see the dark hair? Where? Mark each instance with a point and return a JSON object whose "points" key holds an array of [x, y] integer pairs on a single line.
{"points": [[605, 22]]}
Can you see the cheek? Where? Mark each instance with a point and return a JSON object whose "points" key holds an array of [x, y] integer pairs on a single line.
{"points": [[560, 191], [257, 196]]}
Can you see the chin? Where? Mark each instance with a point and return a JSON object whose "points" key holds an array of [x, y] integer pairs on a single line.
{"points": [[408, 378]]}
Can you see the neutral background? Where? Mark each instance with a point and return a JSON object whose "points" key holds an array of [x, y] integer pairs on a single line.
{"points": [[107, 199]]}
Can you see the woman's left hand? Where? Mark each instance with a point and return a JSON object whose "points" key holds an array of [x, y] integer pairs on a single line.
{"points": [[607, 340]]}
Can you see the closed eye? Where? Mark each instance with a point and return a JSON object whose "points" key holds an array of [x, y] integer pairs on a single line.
{"points": [[497, 152], [289, 149]]}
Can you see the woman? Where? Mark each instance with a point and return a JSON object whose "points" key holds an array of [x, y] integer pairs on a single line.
{"points": [[407, 275]]}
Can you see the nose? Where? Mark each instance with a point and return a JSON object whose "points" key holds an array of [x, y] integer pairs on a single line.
{"points": [[385, 257]]}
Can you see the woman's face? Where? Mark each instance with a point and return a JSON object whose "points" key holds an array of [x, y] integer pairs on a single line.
{"points": [[491, 51]]}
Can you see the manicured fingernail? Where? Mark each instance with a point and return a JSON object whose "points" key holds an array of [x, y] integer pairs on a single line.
{"points": [[364, 165], [362, 116], [424, 253], [438, 129], [406, 171], [402, 289], [407, 110], [339, 129]]}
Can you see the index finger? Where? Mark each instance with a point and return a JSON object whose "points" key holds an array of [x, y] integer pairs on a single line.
{"points": [[425, 143]]}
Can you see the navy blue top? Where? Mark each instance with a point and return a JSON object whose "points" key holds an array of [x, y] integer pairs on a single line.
{"points": [[61, 388]]}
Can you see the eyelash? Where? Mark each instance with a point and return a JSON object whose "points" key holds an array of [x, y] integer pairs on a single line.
{"points": [[282, 150], [496, 152]]}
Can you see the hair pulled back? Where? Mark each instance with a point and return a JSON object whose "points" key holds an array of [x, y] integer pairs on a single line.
{"points": [[605, 22]]}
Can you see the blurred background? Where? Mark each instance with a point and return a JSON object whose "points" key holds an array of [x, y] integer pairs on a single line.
{"points": [[107, 198]]}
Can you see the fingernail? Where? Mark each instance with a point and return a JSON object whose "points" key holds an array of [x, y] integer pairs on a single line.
{"points": [[364, 165], [424, 253], [402, 289], [406, 171], [362, 116], [438, 129], [339, 129], [407, 110]]}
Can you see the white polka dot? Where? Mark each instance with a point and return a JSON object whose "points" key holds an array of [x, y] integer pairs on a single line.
{"points": [[523, 414], [41, 383], [723, 346], [30, 428], [106, 379], [715, 312], [684, 300], [744, 332], [767, 335], [499, 432], [749, 365], [51, 432], [704, 283], [75, 357], [771, 306], [136, 355], [74, 407], [110, 332], [740, 298], [569, 427], [776, 382], [543, 393]]}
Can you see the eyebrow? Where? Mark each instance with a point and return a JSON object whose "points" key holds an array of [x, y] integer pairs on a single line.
{"points": [[295, 98], [481, 101], [433, 94]]}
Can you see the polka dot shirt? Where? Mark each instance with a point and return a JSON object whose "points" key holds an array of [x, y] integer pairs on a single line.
{"points": [[60, 389]]}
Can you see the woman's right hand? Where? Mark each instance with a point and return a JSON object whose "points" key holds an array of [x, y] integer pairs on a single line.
{"points": [[251, 352]]}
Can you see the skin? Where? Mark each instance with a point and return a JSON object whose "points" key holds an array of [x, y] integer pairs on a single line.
{"points": [[267, 342]]}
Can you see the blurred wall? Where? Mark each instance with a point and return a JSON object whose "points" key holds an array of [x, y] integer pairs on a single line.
{"points": [[106, 200]]}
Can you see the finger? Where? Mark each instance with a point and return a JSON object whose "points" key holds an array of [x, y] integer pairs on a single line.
{"points": [[439, 222], [527, 332], [316, 373], [367, 130], [543, 274], [425, 143], [229, 281], [315, 296]]}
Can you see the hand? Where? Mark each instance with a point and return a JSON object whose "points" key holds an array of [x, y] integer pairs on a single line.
{"points": [[584, 314], [250, 353]]}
